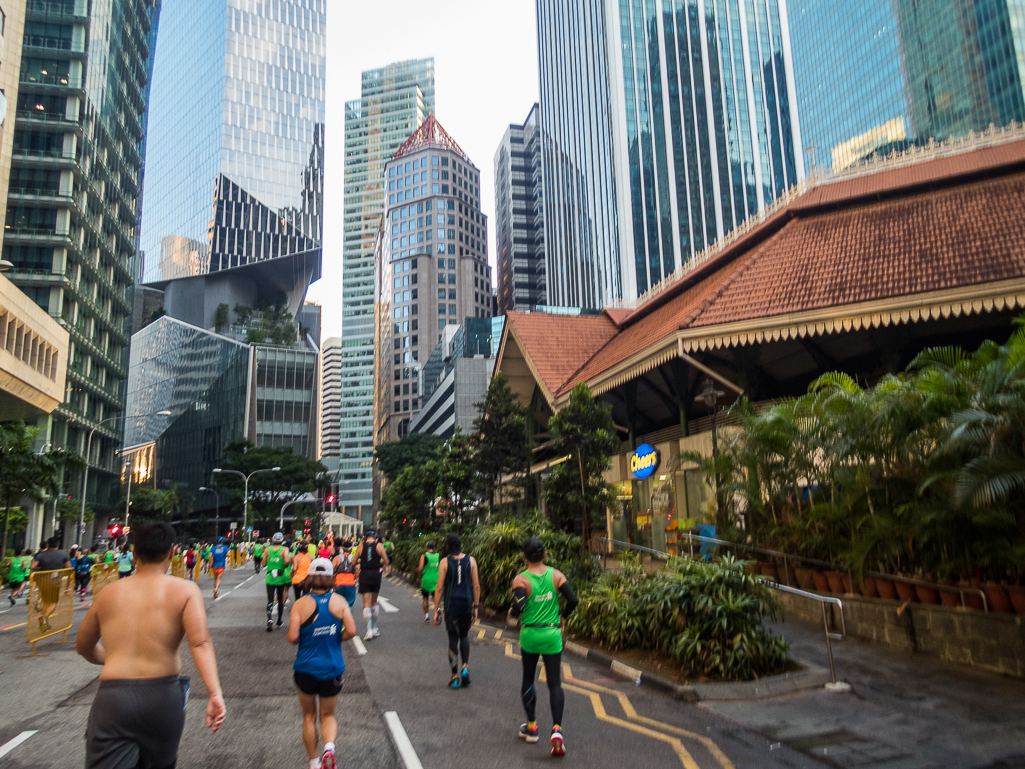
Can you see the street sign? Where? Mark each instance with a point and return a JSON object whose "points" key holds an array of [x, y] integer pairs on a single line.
{"points": [[256, 533], [234, 525]]}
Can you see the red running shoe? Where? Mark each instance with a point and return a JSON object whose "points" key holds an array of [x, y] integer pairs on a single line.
{"points": [[558, 744], [327, 761]]}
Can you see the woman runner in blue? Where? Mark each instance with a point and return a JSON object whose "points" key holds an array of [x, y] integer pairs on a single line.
{"points": [[320, 622]]}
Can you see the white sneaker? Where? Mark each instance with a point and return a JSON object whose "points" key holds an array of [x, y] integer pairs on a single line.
{"points": [[427, 618], [377, 632], [369, 635]]}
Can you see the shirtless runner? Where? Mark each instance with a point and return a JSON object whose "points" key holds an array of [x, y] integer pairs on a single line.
{"points": [[134, 629]]}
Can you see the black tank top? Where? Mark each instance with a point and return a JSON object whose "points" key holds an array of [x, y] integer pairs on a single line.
{"points": [[371, 559], [458, 586]]}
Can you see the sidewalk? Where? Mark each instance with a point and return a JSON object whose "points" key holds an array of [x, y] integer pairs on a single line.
{"points": [[906, 711]]}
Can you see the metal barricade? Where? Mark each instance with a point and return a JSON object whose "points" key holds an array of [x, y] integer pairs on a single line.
{"points": [[103, 575], [51, 601], [178, 567]]}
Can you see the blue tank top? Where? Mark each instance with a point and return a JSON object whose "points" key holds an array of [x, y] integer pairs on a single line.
{"points": [[220, 555], [320, 643]]}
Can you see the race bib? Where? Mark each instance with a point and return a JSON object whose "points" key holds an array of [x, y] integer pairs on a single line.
{"points": [[274, 572]]}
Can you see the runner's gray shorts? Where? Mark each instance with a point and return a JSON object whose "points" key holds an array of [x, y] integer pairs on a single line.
{"points": [[136, 724]]}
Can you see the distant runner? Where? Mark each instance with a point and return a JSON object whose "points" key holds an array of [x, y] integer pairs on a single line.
{"points": [[320, 622], [459, 589], [428, 577], [276, 558], [345, 575], [218, 562], [84, 571], [257, 552], [125, 562], [369, 557], [20, 564], [537, 606], [300, 566]]}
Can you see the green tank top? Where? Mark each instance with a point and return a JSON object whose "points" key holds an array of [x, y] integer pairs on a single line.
{"points": [[277, 572], [20, 567], [429, 581], [540, 628]]}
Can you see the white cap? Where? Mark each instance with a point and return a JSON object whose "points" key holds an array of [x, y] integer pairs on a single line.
{"points": [[278, 537], [321, 566]]}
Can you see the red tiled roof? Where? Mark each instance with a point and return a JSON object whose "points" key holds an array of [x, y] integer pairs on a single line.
{"points": [[558, 345], [953, 222], [430, 134]]}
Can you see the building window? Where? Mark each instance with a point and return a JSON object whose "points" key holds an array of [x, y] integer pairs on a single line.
{"points": [[451, 293], [441, 326], [441, 311], [441, 293], [451, 309]]}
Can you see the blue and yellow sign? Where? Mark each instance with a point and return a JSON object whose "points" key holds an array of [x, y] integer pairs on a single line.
{"points": [[644, 461]]}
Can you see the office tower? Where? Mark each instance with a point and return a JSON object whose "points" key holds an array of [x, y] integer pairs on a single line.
{"points": [[519, 218], [395, 100], [72, 206], [663, 131], [431, 267], [881, 75], [11, 33], [231, 231], [331, 398]]}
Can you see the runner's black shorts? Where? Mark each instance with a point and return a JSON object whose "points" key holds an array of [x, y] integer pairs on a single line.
{"points": [[458, 623], [307, 684], [369, 583], [136, 723], [426, 593]]}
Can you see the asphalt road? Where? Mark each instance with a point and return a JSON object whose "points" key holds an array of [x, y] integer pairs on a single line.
{"points": [[608, 722]]}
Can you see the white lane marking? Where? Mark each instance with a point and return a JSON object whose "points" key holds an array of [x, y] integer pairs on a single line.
{"points": [[387, 605], [240, 584], [7, 747], [409, 757], [360, 648]]}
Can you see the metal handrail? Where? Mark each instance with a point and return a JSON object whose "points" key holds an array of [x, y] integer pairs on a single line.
{"points": [[822, 599]]}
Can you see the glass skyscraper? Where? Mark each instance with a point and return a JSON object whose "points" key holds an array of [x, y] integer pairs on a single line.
{"points": [[395, 100], [666, 125], [72, 214], [880, 75], [231, 234]]}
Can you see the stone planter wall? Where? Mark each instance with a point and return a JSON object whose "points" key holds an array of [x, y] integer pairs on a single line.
{"points": [[994, 642]]}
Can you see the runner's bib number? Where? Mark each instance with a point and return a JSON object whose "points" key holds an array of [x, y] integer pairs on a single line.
{"points": [[274, 572]]}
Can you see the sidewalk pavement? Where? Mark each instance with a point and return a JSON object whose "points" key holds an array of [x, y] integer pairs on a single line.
{"points": [[906, 711]]}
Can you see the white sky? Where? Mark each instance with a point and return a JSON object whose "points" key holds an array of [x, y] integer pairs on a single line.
{"points": [[485, 55]]}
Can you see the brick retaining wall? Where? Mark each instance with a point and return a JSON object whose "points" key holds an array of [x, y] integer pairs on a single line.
{"points": [[994, 642]]}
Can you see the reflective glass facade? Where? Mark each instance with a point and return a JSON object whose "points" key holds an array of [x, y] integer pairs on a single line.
{"points": [[672, 118], [73, 205], [881, 75], [394, 102], [234, 171]]}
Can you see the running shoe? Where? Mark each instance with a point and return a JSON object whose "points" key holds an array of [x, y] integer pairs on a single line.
{"points": [[427, 618], [528, 734], [15, 603], [215, 595], [327, 761], [369, 636], [454, 683], [558, 744], [465, 676], [377, 632], [270, 625], [279, 620]]}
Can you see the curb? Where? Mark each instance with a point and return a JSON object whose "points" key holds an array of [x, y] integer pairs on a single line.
{"points": [[810, 676]]}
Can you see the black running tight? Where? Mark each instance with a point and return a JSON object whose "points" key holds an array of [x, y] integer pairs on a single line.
{"points": [[458, 627], [279, 591], [553, 672]]}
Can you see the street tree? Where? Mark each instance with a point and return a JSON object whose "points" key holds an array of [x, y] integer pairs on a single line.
{"points": [[415, 449], [408, 504], [25, 472], [500, 444], [584, 430], [457, 477]]}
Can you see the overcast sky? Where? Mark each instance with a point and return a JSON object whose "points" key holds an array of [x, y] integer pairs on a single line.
{"points": [[485, 57]]}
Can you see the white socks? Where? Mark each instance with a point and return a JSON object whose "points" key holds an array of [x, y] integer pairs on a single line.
{"points": [[314, 763], [329, 747]]}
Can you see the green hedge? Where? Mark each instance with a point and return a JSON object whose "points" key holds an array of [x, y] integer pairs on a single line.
{"points": [[707, 617]]}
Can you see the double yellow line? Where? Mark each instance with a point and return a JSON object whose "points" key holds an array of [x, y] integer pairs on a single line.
{"points": [[648, 727]]}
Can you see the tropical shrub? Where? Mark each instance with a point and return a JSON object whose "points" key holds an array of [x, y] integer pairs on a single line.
{"points": [[706, 617]]}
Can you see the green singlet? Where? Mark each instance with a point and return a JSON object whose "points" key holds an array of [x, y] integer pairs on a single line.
{"points": [[109, 557], [429, 581], [540, 628], [258, 551], [20, 568], [277, 571]]}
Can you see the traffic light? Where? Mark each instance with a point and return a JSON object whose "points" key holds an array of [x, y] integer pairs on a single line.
{"points": [[114, 529]]}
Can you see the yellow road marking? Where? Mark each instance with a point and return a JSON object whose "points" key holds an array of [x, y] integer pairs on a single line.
{"points": [[480, 635], [628, 709], [509, 651], [567, 673], [599, 712], [498, 634]]}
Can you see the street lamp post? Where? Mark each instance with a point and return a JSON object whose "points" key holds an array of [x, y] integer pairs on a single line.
{"points": [[88, 452], [217, 506], [243, 476], [281, 520]]}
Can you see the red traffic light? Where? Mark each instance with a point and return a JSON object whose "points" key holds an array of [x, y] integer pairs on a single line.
{"points": [[330, 499], [115, 530]]}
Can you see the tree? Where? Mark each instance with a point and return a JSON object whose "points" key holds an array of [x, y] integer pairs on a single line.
{"points": [[501, 444], [242, 314], [408, 504], [25, 472], [68, 510], [269, 491], [584, 430], [457, 477], [221, 316], [415, 449], [13, 520]]}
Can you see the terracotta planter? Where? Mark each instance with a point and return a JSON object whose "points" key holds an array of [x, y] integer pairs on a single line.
{"points": [[871, 591], [929, 595], [849, 587], [999, 600], [751, 567], [950, 597], [805, 578], [905, 591], [769, 570], [886, 588], [971, 600], [1017, 595], [821, 583], [835, 581]]}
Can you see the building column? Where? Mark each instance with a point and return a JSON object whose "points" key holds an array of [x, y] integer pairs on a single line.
{"points": [[681, 383]]}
